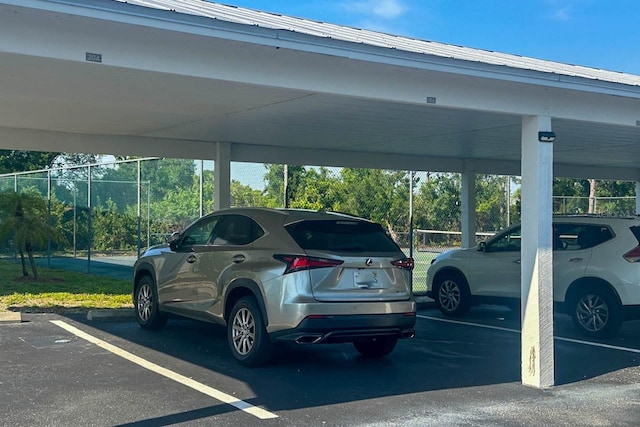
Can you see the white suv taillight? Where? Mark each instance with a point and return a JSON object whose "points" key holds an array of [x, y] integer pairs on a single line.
{"points": [[633, 255]]}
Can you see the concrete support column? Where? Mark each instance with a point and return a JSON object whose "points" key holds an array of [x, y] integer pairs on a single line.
{"points": [[536, 254], [222, 176], [468, 205]]}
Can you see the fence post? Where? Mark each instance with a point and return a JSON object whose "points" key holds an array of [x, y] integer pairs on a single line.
{"points": [[49, 216], [411, 175], [89, 225], [201, 188], [139, 209]]}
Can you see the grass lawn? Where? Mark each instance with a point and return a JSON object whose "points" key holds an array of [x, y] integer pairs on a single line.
{"points": [[59, 290], [422, 261], [68, 291]]}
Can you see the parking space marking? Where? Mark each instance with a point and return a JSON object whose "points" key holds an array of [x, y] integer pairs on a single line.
{"points": [[517, 331], [202, 388], [597, 344], [459, 322]]}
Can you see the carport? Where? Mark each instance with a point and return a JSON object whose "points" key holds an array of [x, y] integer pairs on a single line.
{"points": [[192, 79]]}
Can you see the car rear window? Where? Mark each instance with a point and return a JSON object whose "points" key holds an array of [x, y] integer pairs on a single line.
{"points": [[341, 235], [636, 232]]}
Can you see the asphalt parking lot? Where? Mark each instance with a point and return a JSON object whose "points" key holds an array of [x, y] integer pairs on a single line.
{"points": [[66, 370]]}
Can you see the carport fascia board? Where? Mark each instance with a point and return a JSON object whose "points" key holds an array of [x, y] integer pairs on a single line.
{"points": [[453, 82], [40, 140], [120, 11], [28, 139]]}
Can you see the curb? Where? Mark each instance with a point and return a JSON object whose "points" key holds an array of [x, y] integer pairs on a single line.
{"points": [[10, 317], [111, 314]]}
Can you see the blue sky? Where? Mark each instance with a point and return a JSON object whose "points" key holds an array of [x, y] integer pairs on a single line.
{"points": [[595, 33]]}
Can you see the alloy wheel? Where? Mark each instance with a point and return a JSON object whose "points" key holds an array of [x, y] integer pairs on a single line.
{"points": [[449, 295], [145, 302], [244, 331], [592, 313]]}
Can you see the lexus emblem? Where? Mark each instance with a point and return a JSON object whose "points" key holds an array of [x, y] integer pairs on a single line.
{"points": [[368, 262]]}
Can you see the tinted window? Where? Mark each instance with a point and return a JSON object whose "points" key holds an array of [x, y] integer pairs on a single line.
{"points": [[636, 232], [508, 242], [236, 230], [199, 233], [579, 236], [341, 235]]}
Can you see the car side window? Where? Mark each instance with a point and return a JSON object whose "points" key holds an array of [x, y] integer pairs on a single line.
{"points": [[199, 233], [575, 237], [236, 230], [509, 242]]}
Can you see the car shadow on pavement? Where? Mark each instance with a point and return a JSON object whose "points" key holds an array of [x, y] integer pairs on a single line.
{"points": [[443, 356]]}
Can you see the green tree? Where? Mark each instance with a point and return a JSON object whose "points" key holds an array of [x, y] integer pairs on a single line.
{"points": [[615, 197], [113, 230], [168, 175], [376, 194], [570, 195], [24, 218], [437, 204], [244, 195], [19, 161], [274, 183], [319, 189], [491, 208]]}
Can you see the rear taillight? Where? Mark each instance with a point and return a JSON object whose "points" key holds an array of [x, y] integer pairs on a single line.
{"points": [[404, 263], [633, 255], [298, 262]]}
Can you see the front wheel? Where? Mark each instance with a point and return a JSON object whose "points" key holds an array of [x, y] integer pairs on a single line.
{"points": [[145, 302], [247, 335], [596, 312], [452, 295], [375, 348]]}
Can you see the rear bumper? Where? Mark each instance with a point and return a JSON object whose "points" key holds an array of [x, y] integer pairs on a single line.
{"points": [[348, 328]]}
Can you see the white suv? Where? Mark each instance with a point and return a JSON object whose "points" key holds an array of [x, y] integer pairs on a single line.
{"points": [[596, 272]]}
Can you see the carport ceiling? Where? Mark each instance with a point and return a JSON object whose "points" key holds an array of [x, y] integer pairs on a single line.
{"points": [[172, 87]]}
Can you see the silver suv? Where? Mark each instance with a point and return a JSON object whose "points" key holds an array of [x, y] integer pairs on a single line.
{"points": [[273, 275], [596, 272]]}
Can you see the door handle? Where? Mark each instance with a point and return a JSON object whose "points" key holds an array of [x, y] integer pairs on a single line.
{"points": [[191, 259], [517, 261], [238, 258], [576, 260]]}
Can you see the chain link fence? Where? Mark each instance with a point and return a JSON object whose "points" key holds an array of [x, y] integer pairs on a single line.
{"points": [[116, 209]]}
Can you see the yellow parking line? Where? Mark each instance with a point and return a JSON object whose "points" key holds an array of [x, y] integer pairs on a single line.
{"points": [[202, 388]]}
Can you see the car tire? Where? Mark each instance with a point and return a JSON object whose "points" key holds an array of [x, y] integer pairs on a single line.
{"points": [[145, 302], [375, 348], [246, 333], [452, 294], [596, 312]]}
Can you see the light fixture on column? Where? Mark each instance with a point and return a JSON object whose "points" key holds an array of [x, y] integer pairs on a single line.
{"points": [[546, 136]]}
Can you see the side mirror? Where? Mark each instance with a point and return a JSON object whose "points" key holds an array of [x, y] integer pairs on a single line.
{"points": [[173, 240], [482, 246]]}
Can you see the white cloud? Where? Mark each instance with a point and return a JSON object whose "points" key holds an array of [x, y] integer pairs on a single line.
{"points": [[384, 9], [561, 10]]}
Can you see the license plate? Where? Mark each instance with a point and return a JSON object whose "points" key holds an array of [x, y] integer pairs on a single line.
{"points": [[365, 278]]}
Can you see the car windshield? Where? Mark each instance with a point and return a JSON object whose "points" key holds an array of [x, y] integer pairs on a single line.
{"points": [[341, 235]]}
